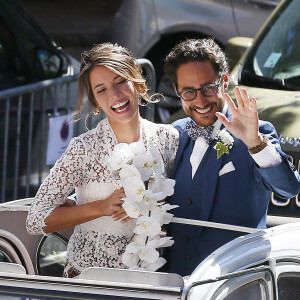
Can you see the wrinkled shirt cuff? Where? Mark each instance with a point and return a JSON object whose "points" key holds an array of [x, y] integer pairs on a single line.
{"points": [[267, 157]]}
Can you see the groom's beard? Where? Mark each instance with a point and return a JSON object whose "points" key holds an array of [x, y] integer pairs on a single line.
{"points": [[204, 116]]}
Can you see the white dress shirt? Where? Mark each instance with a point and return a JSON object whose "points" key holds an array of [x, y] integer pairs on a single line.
{"points": [[268, 157]]}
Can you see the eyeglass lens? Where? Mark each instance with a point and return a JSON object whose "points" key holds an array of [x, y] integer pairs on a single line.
{"points": [[206, 91]]}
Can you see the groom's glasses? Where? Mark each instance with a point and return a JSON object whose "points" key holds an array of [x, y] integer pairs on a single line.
{"points": [[208, 90]]}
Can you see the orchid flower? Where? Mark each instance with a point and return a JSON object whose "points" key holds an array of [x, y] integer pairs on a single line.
{"points": [[147, 226], [150, 197], [137, 148], [130, 260], [153, 266], [120, 156], [134, 188], [144, 164], [131, 208], [163, 185], [129, 171], [157, 160], [160, 213], [148, 254]]}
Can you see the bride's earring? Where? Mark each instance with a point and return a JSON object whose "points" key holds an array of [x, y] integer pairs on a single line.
{"points": [[97, 111], [142, 101]]}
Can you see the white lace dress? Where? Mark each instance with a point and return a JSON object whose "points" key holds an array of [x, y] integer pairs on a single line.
{"points": [[84, 166]]}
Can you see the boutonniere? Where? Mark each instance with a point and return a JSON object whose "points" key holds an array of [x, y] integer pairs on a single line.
{"points": [[224, 142]]}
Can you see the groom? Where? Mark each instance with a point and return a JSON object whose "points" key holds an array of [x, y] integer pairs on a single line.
{"points": [[227, 176]]}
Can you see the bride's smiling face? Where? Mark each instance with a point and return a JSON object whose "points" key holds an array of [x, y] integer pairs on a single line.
{"points": [[114, 94]]}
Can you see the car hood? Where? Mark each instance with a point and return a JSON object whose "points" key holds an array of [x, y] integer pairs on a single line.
{"points": [[281, 108]]}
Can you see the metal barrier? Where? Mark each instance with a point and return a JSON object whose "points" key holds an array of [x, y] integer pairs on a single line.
{"points": [[24, 121], [24, 114]]}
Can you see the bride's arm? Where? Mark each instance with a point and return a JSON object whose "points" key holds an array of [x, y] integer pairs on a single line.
{"points": [[68, 216], [64, 176], [170, 149], [50, 210]]}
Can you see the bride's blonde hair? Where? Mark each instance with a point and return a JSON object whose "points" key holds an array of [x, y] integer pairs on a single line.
{"points": [[117, 59]]}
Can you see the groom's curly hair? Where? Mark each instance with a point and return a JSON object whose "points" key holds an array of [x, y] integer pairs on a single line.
{"points": [[195, 50]]}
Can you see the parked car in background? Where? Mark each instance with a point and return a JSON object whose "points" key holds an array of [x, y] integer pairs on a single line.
{"points": [[27, 53], [150, 28], [263, 265], [29, 56], [270, 71]]}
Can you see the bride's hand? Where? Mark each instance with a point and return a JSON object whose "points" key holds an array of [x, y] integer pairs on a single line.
{"points": [[113, 204], [121, 214]]}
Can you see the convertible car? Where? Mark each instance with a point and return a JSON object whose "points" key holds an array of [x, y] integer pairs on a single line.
{"points": [[264, 264]]}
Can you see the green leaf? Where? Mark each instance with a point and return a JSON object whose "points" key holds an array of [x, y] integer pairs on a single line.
{"points": [[221, 149]]}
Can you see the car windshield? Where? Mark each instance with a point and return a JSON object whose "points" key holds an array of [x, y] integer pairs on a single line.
{"points": [[275, 61]]}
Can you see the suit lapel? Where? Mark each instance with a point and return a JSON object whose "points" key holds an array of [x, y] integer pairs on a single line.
{"points": [[183, 143]]}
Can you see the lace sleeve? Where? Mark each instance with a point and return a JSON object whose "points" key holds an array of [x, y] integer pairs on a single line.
{"points": [[171, 145], [64, 176]]}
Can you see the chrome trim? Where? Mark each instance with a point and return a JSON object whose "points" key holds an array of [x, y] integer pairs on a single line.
{"points": [[287, 140], [9, 250], [214, 225], [22, 249], [84, 287], [17, 205], [283, 202]]}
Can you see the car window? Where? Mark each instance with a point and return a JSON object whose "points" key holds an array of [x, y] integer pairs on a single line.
{"points": [[256, 290], [51, 256], [23, 27], [8, 252], [24, 49], [276, 58], [9, 64], [250, 284], [289, 286], [5, 257]]}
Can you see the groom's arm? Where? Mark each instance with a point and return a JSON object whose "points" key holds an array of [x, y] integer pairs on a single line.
{"points": [[273, 166]]}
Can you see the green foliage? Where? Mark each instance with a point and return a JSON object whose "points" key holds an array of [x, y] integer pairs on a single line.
{"points": [[221, 149]]}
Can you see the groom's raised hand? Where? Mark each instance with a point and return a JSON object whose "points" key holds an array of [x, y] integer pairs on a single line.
{"points": [[244, 123]]}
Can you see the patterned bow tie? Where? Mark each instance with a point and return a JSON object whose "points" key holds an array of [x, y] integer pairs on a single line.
{"points": [[194, 131]]}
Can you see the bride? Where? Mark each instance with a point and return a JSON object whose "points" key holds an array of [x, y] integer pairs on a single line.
{"points": [[113, 82]]}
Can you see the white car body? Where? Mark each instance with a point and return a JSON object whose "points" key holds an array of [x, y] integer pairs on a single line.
{"points": [[260, 265]]}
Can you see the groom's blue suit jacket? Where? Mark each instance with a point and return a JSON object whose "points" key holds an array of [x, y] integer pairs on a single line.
{"points": [[239, 197]]}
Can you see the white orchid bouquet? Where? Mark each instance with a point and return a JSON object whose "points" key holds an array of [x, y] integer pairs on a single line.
{"points": [[141, 175]]}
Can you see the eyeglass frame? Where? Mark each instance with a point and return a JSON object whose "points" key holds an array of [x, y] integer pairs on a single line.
{"points": [[217, 84]]}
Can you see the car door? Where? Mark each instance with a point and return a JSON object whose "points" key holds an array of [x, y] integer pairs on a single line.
{"points": [[250, 15], [256, 283]]}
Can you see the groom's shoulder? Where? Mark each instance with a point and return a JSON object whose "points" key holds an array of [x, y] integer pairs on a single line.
{"points": [[266, 126], [181, 123]]}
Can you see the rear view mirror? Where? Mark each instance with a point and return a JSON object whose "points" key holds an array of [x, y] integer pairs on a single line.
{"points": [[48, 64]]}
